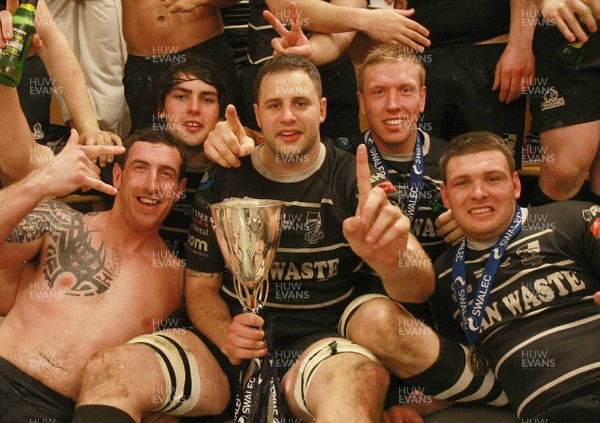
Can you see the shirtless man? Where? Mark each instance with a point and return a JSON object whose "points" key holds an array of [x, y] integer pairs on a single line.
{"points": [[156, 38], [81, 290]]}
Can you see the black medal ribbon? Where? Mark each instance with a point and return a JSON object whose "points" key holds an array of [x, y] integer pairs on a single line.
{"points": [[260, 399]]}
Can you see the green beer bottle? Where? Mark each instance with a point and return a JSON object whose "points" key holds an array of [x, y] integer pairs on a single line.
{"points": [[570, 53], [13, 56]]}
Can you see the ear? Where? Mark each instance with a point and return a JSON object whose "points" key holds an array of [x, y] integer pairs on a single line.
{"points": [[517, 185], [445, 196], [361, 103], [255, 106], [180, 188], [423, 96], [117, 173], [323, 109]]}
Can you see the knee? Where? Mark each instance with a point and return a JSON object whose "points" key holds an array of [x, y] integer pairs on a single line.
{"points": [[376, 323], [106, 373], [561, 182], [374, 372]]}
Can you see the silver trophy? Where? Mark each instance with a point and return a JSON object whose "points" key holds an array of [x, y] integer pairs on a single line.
{"points": [[248, 232]]}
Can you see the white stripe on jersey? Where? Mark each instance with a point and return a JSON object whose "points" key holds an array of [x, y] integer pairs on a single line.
{"points": [[313, 250], [485, 256], [540, 335], [552, 384]]}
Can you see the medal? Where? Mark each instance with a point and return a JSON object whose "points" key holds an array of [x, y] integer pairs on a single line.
{"points": [[477, 362]]}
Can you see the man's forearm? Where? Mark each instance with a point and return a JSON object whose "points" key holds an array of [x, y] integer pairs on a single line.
{"points": [[412, 280], [321, 16], [19, 153], [65, 71], [207, 310]]}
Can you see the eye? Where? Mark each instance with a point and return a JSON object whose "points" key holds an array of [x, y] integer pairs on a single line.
{"points": [[208, 100], [378, 92], [180, 96], [407, 90], [301, 103]]}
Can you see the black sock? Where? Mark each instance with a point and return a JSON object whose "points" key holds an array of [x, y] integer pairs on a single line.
{"points": [[101, 414], [444, 375]]}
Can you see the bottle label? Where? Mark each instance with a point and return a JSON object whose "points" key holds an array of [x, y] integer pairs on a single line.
{"points": [[14, 48]]}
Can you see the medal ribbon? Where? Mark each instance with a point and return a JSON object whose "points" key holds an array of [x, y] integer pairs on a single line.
{"points": [[415, 181], [261, 398], [473, 316]]}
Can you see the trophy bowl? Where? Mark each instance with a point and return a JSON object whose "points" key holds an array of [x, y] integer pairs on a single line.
{"points": [[248, 232]]}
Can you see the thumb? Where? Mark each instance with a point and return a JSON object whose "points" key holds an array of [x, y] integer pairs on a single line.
{"points": [[73, 139]]}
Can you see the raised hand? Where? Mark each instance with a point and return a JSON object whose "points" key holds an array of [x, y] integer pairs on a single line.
{"points": [[378, 232], [73, 168], [289, 42], [228, 141], [244, 339]]}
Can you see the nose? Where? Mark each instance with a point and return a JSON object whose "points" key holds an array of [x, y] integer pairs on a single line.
{"points": [[479, 190], [393, 101], [193, 105], [287, 114], [150, 183]]}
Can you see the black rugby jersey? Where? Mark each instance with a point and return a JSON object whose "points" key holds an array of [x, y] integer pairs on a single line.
{"points": [[315, 269], [540, 325]]}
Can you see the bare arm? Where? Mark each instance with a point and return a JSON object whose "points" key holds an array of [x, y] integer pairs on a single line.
{"points": [[239, 337], [515, 70], [380, 234], [320, 49], [19, 153], [383, 25], [70, 170], [67, 76]]}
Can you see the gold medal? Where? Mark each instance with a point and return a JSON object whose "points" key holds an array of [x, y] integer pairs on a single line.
{"points": [[477, 362]]}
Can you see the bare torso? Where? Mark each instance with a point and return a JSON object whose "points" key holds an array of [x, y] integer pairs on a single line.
{"points": [[86, 293], [150, 30]]}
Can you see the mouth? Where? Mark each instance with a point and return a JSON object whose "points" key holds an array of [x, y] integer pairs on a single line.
{"points": [[289, 135], [481, 210], [148, 201], [192, 126]]}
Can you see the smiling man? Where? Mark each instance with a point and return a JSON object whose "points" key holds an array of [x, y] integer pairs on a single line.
{"points": [[532, 274], [82, 289]]}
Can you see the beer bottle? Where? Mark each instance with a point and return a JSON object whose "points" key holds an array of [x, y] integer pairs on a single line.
{"points": [[13, 56], [570, 53]]}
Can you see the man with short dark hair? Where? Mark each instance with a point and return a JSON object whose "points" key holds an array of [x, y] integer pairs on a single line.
{"points": [[520, 288], [81, 290]]}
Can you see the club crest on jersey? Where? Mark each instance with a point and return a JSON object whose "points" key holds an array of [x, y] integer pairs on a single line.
{"points": [[313, 225], [530, 254]]}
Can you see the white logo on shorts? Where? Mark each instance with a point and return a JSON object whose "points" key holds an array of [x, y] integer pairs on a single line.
{"points": [[552, 100]]}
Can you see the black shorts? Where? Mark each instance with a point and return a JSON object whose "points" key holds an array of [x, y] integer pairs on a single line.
{"points": [[142, 74], [564, 94], [459, 93], [23, 399]]}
